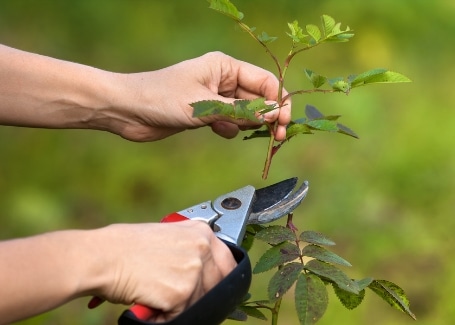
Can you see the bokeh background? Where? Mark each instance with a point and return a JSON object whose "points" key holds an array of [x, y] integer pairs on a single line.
{"points": [[387, 199]]}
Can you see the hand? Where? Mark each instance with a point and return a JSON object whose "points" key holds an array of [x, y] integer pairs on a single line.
{"points": [[166, 267], [39, 91], [162, 98]]}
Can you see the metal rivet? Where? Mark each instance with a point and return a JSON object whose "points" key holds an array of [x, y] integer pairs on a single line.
{"points": [[231, 203]]}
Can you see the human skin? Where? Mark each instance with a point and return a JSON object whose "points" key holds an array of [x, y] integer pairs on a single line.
{"points": [[164, 266], [39, 91]]}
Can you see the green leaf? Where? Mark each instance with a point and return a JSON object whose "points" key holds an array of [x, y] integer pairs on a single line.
{"points": [[297, 128], [347, 131], [315, 79], [265, 38], [267, 303], [392, 294], [227, 8], [314, 32], [313, 237], [252, 312], [246, 297], [244, 109], [297, 34], [328, 23], [240, 109], [323, 125], [349, 299], [338, 35], [311, 299], [254, 228], [275, 234], [247, 242], [283, 280], [364, 283], [332, 117], [313, 113], [210, 107], [247, 108], [250, 234], [277, 255], [378, 76], [257, 105], [340, 38], [258, 134], [339, 84], [322, 254], [361, 78], [239, 315], [334, 274]]}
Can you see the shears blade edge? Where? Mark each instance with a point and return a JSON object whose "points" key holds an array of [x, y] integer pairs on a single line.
{"points": [[268, 197], [280, 208]]}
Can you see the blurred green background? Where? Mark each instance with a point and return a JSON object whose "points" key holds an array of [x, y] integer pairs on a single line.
{"points": [[387, 199]]}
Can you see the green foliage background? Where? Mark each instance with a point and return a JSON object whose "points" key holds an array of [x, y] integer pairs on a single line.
{"points": [[387, 199]]}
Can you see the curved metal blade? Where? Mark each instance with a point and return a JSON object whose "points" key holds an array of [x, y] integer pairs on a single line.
{"points": [[272, 195], [280, 208]]}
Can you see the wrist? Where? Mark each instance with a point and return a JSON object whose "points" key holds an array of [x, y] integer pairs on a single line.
{"points": [[133, 108], [92, 272]]}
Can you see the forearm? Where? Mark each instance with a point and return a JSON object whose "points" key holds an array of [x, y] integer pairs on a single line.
{"points": [[42, 272], [39, 91], [166, 266]]}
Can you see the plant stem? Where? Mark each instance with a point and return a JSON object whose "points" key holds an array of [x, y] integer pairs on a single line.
{"points": [[247, 29], [308, 91], [276, 311], [290, 225], [281, 73], [280, 100], [268, 159]]}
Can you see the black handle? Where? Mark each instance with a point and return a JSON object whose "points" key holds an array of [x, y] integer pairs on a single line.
{"points": [[215, 306]]}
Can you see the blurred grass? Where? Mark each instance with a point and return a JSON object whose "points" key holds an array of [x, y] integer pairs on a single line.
{"points": [[386, 199]]}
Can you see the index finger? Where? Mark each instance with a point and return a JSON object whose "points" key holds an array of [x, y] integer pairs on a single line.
{"points": [[253, 81], [256, 82]]}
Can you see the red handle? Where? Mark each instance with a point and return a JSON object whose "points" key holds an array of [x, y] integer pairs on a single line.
{"points": [[174, 217], [141, 312]]}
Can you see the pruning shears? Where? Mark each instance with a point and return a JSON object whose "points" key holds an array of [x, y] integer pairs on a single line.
{"points": [[228, 216]]}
